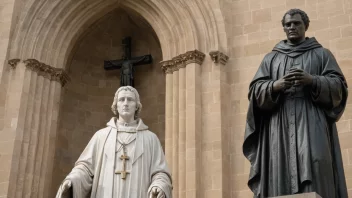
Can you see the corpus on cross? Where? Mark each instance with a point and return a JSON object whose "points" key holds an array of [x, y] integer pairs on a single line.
{"points": [[127, 63]]}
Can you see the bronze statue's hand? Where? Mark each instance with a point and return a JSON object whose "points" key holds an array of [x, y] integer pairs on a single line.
{"points": [[299, 77], [281, 84]]}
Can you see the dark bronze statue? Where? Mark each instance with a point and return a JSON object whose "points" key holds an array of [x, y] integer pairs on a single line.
{"points": [[127, 63], [296, 97]]}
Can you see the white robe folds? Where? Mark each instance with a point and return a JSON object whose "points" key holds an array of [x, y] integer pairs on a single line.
{"points": [[94, 171]]}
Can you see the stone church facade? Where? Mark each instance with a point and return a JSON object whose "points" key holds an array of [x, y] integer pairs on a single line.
{"points": [[55, 94]]}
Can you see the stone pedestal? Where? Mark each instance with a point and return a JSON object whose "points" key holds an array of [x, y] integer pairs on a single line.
{"points": [[304, 195]]}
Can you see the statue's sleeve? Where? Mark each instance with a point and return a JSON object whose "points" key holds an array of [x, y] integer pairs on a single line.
{"points": [[82, 174], [329, 89], [261, 87], [160, 174]]}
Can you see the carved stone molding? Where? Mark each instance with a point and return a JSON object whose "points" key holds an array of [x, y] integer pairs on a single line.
{"points": [[47, 71], [182, 61], [42, 69], [179, 61], [194, 56], [13, 62], [167, 66], [218, 57]]}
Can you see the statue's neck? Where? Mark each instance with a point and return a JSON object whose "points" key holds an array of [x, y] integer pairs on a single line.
{"points": [[126, 119], [122, 123]]}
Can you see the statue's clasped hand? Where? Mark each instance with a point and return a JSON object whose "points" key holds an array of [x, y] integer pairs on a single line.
{"points": [[295, 77], [299, 77], [282, 84]]}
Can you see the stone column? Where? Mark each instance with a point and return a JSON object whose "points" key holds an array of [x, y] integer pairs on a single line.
{"points": [[219, 113], [184, 153], [167, 66], [182, 132], [31, 118], [175, 127], [193, 122]]}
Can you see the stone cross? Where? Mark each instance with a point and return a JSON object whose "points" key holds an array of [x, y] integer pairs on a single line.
{"points": [[123, 172], [127, 63]]}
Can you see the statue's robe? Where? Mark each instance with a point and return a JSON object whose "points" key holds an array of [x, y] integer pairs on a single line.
{"points": [[291, 138], [94, 173]]}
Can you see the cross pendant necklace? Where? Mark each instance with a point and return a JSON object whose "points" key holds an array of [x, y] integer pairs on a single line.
{"points": [[124, 157]]}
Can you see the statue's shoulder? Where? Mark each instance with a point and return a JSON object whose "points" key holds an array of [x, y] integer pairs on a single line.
{"points": [[270, 55], [149, 135], [102, 132], [324, 50], [268, 58]]}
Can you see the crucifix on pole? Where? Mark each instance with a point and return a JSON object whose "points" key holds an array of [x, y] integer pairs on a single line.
{"points": [[127, 63]]}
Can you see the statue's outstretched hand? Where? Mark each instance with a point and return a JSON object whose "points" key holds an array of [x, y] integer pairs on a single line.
{"points": [[156, 192], [64, 189]]}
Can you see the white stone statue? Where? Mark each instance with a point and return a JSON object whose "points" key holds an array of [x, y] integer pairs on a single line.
{"points": [[123, 160]]}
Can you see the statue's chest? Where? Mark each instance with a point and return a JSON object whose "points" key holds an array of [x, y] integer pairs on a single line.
{"points": [[124, 153], [282, 64]]}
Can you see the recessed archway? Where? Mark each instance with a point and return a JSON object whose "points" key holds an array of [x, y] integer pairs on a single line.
{"points": [[47, 31], [86, 100]]}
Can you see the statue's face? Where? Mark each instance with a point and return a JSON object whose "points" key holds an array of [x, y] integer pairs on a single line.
{"points": [[294, 28], [126, 104]]}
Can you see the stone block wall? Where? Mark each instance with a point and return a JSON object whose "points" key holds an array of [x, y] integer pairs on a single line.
{"points": [[87, 98], [7, 140], [6, 12], [253, 28]]}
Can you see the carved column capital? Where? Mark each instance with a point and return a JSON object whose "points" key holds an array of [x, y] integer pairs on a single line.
{"points": [[42, 69], [167, 66], [61, 76], [47, 71], [218, 57], [13, 62], [179, 61], [182, 60], [194, 56]]}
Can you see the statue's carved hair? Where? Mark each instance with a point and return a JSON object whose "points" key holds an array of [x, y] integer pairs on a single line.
{"points": [[294, 11], [127, 88]]}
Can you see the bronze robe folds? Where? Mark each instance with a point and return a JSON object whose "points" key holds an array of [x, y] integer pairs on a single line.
{"points": [[291, 138]]}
